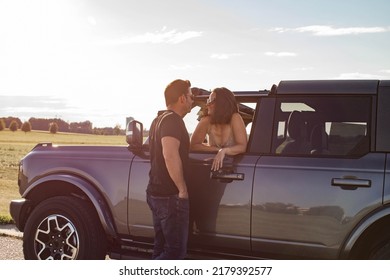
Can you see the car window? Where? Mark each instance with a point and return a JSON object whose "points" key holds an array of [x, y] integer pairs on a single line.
{"points": [[322, 126]]}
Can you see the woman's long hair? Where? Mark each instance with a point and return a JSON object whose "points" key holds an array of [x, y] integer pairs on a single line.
{"points": [[225, 106]]}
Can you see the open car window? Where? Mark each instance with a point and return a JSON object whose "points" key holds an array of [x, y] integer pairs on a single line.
{"points": [[246, 110]]}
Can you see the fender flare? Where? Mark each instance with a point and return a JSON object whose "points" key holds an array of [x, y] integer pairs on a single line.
{"points": [[97, 199], [361, 228]]}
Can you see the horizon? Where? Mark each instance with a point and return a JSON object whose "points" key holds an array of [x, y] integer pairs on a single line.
{"points": [[11, 118], [103, 61]]}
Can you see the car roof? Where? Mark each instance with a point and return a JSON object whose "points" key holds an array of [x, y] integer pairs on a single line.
{"points": [[311, 87], [242, 96], [328, 87]]}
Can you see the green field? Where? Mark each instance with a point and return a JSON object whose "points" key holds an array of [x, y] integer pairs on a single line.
{"points": [[14, 145]]}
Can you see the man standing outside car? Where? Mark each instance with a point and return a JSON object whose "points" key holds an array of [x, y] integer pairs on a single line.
{"points": [[167, 194]]}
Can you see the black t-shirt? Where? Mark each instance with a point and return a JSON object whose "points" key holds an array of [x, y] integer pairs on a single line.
{"points": [[167, 124]]}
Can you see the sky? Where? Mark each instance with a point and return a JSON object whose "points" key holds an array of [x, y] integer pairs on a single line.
{"points": [[105, 60]]}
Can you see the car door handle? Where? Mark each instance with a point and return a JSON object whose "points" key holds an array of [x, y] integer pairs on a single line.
{"points": [[351, 183], [227, 176]]}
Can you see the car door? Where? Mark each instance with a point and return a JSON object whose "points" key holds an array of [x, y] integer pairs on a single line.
{"points": [[220, 204], [307, 201]]}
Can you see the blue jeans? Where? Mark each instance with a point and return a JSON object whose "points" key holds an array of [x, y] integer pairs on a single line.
{"points": [[170, 221]]}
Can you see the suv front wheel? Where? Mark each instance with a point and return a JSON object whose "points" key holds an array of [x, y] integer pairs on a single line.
{"points": [[64, 228]]}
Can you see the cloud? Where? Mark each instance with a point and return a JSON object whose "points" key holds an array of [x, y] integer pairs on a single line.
{"points": [[160, 37], [356, 75], [223, 56], [91, 20], [280, 54], [32, 101], [31, 105], [303, 69], [325, 30], [183, 67]]}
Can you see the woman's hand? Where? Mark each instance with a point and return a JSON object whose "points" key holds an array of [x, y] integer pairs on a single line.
{"points": [[218, 159]]}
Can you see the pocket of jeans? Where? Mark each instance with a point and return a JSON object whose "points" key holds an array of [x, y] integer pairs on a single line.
{"points": [[161, 207], [183, 204]]}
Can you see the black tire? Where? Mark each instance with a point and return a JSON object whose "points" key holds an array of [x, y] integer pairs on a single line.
{"points": [[64, 227]]}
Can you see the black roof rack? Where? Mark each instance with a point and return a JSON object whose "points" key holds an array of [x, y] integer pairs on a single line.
{"points": [[328, 87]]}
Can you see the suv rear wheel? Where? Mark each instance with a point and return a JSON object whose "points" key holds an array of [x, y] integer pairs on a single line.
{"points": [[64, 228], [381, 252]]}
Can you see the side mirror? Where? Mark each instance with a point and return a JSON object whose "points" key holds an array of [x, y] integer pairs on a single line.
{"points": [[134, 134]]}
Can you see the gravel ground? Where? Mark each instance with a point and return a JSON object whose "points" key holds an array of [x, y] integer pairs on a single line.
{"points": [[11, 244], [11, 248]]}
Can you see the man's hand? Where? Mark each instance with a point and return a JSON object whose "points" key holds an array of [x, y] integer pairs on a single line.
{"points": [[183, 195]]}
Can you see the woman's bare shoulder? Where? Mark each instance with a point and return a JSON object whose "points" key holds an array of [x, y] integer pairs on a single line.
{"points": [[205, 120], [236, 117]]}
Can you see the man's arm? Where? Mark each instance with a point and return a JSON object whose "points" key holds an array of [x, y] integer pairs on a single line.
{"points": [[170, 148]]}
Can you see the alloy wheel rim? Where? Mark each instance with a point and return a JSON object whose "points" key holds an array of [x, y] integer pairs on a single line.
{"points": [[56, 238]]}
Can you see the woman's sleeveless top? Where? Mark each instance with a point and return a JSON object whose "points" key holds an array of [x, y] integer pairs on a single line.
{"points": [[213, 141]]}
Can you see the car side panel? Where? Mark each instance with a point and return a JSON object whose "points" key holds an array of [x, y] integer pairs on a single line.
{"points": [[296, 205], [140, 218], [106, 168], [386, 191]]}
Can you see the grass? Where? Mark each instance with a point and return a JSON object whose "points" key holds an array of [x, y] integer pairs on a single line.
{"points": [[15, 145]]}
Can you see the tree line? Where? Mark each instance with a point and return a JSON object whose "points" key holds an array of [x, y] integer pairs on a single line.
{"points": [[57, 125]]}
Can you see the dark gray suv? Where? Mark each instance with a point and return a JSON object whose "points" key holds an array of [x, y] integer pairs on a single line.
{"points": [[313, 184]]}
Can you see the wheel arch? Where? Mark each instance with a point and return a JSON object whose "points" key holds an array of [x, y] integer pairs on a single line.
{"points": [[65, 184], [359, 241]]}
